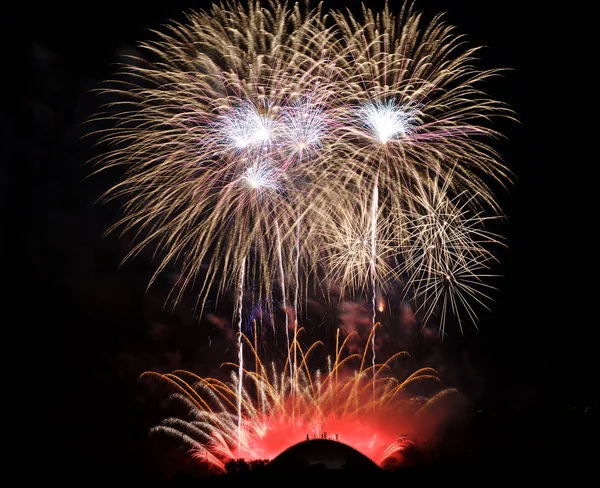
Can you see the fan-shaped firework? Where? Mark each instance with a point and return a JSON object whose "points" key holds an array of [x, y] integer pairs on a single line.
{"points": [[261, 141], [264, 410]]}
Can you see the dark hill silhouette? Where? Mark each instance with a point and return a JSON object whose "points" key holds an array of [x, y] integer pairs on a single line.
{"points": [[322, 454]]}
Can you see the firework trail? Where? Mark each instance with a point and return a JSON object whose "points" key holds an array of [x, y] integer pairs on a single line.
{"points": [[240, 354], [375, 206], [279, 411], [250, 135]]}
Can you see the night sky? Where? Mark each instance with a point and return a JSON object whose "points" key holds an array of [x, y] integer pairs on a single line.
{"points": [[531, 366]]}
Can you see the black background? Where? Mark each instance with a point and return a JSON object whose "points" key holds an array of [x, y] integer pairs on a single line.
{"points": [[98, 328]]}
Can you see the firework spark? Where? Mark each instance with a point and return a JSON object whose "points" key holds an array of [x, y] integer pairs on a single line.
{"points": [[270, 137], [375, 411], [447, 252]]}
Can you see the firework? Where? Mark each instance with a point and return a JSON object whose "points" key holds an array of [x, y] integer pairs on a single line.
{"points": [[446, 251], [270, 146], [263, 410]]}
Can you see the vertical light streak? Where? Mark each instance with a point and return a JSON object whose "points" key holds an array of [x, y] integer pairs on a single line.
{"points": [[374, 211], [297, 282], [240, 356], [283, 293]]}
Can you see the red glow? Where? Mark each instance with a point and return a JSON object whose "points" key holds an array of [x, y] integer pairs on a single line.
{"points": [[373, 437], [369, 408]]}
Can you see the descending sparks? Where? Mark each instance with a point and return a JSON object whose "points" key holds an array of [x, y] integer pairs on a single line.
{"points": [[257, 133], [447, 253]]}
